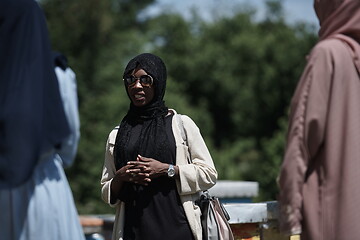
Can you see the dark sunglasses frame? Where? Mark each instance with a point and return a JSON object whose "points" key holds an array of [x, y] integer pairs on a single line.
{"points": [[145, 80]]}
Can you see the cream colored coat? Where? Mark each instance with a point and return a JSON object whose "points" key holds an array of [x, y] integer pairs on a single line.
{"points": [[196, 176]]}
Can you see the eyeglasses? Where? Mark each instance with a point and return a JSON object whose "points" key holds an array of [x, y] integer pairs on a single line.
{"points": [[145, 80]]}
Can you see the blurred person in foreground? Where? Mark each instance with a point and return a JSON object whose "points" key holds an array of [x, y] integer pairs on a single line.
{"points": [[320, 173], [39, 130], [152, 172]]}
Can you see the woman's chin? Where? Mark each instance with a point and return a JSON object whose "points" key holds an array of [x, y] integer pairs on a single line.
{"points": [[139, 103]]}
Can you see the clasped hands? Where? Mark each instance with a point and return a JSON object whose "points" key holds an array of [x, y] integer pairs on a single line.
{"points": [[143, 170]]}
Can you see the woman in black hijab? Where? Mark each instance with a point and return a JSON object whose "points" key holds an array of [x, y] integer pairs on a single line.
{"points": [[152, 174], [36, 134]]}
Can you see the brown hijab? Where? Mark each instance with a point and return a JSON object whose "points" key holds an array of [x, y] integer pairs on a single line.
{"points": [[340, 19], [318, 189]]}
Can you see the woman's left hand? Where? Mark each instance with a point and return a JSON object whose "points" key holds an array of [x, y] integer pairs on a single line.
{"points": [[150, 166]]}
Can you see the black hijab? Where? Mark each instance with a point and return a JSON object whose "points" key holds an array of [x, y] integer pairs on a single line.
{"points": [[153, 139], [32, 118]]}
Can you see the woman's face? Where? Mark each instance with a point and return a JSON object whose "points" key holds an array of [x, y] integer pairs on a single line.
{"points": [[140, 95]]}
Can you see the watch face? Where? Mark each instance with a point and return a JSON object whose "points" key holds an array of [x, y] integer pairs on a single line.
{"points": [[171, 171]]}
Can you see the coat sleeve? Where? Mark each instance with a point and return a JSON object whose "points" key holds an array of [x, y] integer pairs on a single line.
{"points": [[109, 169], [305, 137], [199, 172]]}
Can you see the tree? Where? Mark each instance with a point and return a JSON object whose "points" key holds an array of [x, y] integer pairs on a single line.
{"points": [[234, 76], [92, 33], [242, 73]]}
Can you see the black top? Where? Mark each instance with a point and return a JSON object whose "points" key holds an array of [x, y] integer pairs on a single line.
{"points": [[155, 211]]}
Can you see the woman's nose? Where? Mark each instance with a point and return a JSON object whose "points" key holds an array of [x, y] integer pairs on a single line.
{"points": [[137, 84]]}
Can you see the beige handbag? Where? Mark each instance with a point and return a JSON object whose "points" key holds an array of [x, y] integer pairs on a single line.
{"points": [[214, 218]]}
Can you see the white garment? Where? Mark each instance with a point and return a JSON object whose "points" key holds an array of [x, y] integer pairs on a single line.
{"points": [[43, 208]]}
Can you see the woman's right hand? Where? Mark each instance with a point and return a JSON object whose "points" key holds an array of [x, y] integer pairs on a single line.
{"points": [[125, 175]]}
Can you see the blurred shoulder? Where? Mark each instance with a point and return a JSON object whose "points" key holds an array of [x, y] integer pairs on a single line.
{"points": [[329, 48], [18, 7]]}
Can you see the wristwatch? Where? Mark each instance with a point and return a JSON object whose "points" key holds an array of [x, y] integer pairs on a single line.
{"points": [[171, 171]]}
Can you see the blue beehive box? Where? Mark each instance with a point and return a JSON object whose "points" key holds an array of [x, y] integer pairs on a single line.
{"points": [[235, 191]]}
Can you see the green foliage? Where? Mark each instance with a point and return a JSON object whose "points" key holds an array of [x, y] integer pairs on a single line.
{"points": [[233, 76], [92, 34], [269, 159], [235, 161]]}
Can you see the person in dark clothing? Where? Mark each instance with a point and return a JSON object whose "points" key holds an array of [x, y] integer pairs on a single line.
{"points": [[39, 130], [151, 174]]}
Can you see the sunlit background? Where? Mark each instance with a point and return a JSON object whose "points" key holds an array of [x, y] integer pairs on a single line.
{"points": [[294, 10], [232, 67]]}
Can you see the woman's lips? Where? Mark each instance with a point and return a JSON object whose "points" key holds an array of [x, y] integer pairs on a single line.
{"points": [[139, 96]]}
